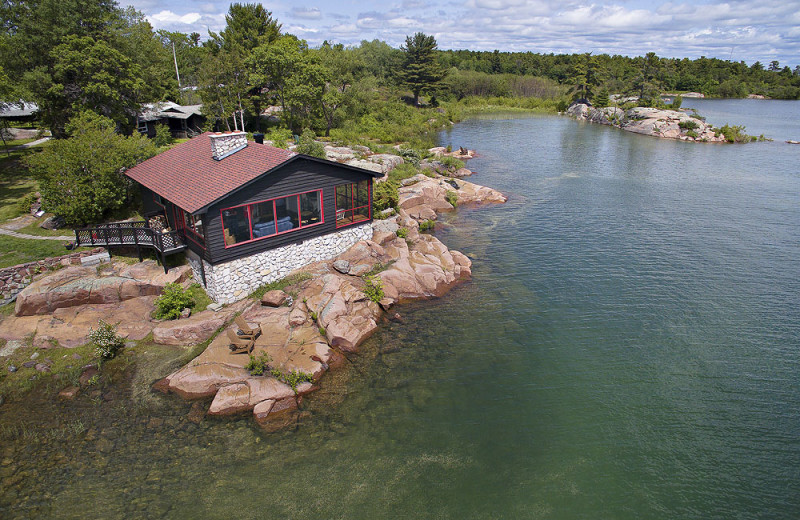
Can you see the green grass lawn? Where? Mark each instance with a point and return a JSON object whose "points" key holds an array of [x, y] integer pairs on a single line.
{"points": [[15, 182], [15, 251]]}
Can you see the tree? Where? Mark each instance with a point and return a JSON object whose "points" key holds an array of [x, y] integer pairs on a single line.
{"points": [[343, 70], [115, 43], [80, 177], [90, 74], [294, 76], [421, 72]]}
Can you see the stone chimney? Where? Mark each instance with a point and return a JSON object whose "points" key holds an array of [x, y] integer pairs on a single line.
{"points": [[228, 143]]}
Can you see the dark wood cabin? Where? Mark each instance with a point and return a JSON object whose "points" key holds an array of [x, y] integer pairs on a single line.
{"points": [[182, 120], [233, 198]]}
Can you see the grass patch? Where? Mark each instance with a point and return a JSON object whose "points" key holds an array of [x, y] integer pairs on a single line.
{"points": [[281, 284], [379, 268], [200, 297], [15, 251], [64, 370], [15, 182]]}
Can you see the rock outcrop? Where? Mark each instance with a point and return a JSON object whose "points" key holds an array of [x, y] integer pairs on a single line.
{"points": [[422, 197], [667, 124], [332, 312], [74, 286]]}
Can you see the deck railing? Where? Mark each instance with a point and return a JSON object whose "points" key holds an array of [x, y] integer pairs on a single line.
{"points": [[136, 233]]}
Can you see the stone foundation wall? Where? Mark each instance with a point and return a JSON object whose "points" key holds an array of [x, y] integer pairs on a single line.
{"points": [[14, 279], [232, 281]]}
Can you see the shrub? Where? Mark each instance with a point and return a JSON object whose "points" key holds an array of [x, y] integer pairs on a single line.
{"points": [[308, 145], [427, 225], [384, 195], [402, 232], [279, 137], [451, 162], [676, 103], [734, 134], [688, 124], [452, 198], [293, 378], [258, 366], [691, 133], [172, 301], [373, 288], [163, 136], [105, 340], [24, 204]]}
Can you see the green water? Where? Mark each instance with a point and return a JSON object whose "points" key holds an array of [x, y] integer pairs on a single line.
{"points": [[628, 349]]}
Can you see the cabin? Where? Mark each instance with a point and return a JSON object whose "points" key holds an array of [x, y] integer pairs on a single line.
{"points": [[182, 120], [250, 213]]}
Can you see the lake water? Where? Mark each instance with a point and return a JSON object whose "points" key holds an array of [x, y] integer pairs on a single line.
{"points": [[629, 348]]}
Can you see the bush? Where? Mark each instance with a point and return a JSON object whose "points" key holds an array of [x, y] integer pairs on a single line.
{"points": [[451, 162], [427, 225], [105, 340], [80, 184], [691, 133], [688, 125], [293, 378], [163, 136], [279, 137], [172, 301], [734, 134], [384, 195], [308, 145], [452, 198], [676, 103], [24, 204], [373, 288], [402, 232], [258, 366]]}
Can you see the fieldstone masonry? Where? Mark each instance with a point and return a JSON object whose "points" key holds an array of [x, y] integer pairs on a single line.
{"points": [[232, 281], [223, 145]]}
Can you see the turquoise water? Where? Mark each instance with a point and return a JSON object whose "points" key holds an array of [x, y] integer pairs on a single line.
{"points": [[628, 349]]}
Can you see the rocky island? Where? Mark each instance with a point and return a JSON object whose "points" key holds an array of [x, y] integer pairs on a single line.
{"points": [[656, 122]]}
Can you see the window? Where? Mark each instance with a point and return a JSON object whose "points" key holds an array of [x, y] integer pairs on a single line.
{"points": [[353, 203], [271, 217], [235, 225], [194, 227]]}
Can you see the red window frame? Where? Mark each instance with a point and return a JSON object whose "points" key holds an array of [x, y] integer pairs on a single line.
{"points": [[352, 210], [195, 237], [274, 213]]}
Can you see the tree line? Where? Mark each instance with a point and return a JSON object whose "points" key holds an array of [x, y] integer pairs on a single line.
{"points": [[72, 55]]}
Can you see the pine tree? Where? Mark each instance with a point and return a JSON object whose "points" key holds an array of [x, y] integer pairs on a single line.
{"points": [[421, 72]]}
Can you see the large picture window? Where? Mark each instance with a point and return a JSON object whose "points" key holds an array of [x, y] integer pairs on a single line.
{"points": [[271, 217], [353, 203]]}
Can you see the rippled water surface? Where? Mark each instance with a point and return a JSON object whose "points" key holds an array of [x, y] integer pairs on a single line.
{"points": [[628, 349]]}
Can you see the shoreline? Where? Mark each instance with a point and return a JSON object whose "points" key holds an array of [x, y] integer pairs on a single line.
{"points": [[331, 315]]}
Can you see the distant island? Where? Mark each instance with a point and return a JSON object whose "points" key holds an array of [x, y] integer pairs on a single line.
{"points": [[661, 122]]}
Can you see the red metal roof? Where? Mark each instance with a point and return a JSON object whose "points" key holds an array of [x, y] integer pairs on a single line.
{"points": [[188, 176]]}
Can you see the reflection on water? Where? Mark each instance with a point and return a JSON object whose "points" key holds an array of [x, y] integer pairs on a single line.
{"points": [[628, 349]]}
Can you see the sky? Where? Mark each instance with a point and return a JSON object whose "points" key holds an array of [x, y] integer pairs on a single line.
{"points": [[751, 30]]}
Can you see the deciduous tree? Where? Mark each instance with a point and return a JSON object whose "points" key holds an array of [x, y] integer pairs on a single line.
{"points": [[80, 177]]}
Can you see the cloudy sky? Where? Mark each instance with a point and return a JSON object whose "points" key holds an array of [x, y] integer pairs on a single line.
{"points": [[751, 30]]}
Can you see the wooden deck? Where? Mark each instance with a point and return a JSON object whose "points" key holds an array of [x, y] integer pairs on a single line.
{"points": [[132, 234]]}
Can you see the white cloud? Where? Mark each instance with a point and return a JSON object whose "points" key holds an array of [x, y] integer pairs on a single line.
{"points": [[307, 13]]}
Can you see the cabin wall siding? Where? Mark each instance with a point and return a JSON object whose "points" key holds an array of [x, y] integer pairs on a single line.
{"points": [[299, 176]]}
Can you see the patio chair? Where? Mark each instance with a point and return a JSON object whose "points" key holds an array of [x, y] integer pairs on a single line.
{"points": [[247, 331], [240, 344]]}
